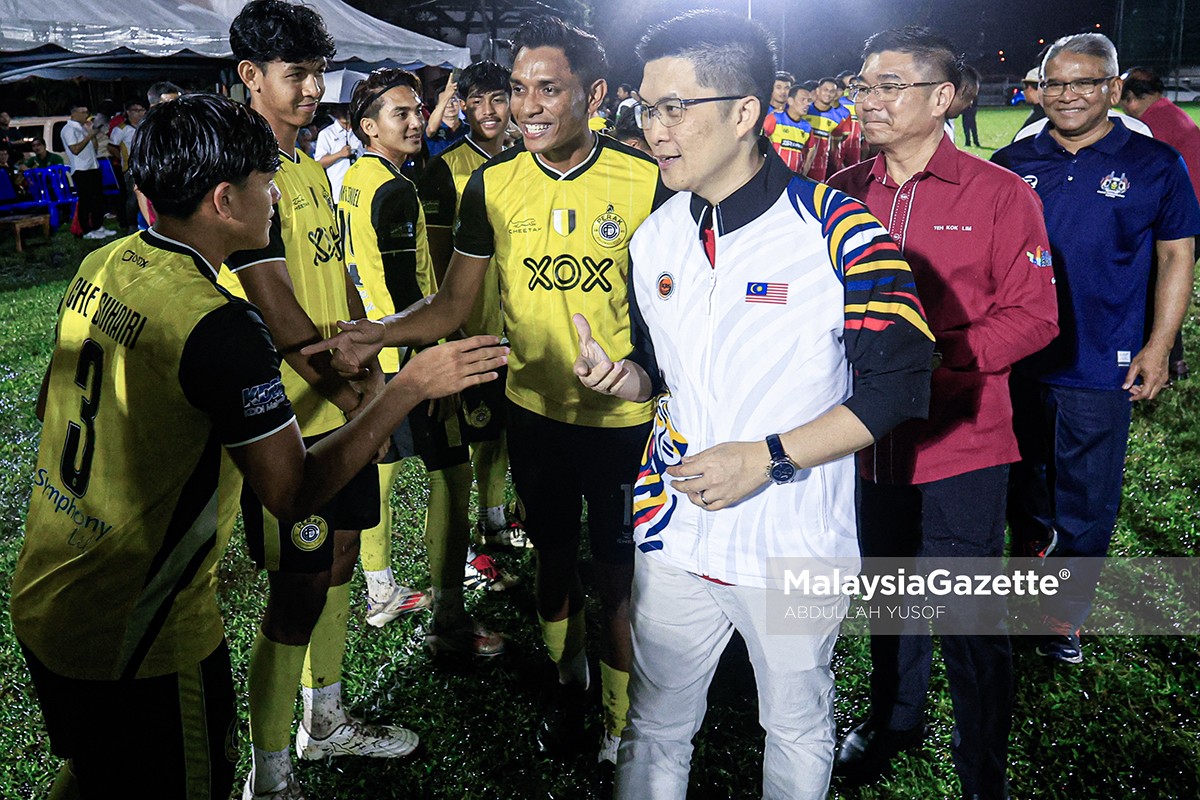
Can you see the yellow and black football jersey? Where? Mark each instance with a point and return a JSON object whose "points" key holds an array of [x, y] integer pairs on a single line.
{"points": [[155, 368], [304, 233], [441, 186], [387, 252], [561, 245]]}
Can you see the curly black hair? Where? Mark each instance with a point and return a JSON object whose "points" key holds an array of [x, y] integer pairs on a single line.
{"points": [[275, 30], [186, 147]]}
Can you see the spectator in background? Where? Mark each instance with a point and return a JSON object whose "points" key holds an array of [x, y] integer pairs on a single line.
{"points": [[41, 156], [162, 92], [5, 135], [79, 136], [627, 98], [337, 147], [825, 115], [445, 125], [306, 141], [849, 130], [629, 133], [779, 90], [120, 142], [965, 106], [1033, 97], [790, 133], [1142, 98], [14, 173]]}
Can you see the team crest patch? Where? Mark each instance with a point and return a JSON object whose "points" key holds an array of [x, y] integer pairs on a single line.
{"points": [[479, 417], [609, 230], [1112, 186], [1039, 257], [310, 534], [563, 221], [666, 285]]}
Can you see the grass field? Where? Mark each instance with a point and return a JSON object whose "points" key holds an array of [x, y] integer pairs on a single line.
{"points": [[1125, 724]]}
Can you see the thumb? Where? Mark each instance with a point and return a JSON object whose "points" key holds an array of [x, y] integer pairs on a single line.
{"points": [[583, 328], [347, 324]]}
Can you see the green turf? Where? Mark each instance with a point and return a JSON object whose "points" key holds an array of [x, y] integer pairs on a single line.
{"points": [[1126, 724]]}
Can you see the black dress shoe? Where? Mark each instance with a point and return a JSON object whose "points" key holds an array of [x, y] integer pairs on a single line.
{"points": [[560, 731], [865, 752]]}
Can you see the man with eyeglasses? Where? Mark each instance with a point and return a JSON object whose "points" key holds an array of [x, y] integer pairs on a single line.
{"points": [[935, 488], [760, 295], [1118, 207]]}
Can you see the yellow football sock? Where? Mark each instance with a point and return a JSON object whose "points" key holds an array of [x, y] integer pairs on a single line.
{"points": [[327, 645], [490, 463], [448, 527], [614, 698], [273, 677], [375, 551], [564, 638]]}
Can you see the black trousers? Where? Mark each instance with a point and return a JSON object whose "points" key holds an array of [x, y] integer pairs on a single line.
{"points": [[961, 516], [90, 188]]}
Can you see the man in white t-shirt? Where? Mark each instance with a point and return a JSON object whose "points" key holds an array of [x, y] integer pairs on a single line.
{"points": [[120, 142], [337, 149], [79, 139]]}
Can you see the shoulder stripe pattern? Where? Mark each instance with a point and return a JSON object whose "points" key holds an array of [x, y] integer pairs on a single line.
{"points": [[880, 289], [652, 510]]}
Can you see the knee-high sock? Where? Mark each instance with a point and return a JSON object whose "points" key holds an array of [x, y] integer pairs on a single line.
{"points": [[490, 463], [375, 549], [566, 642], [614, 698], [273, 676], [447, 535]]}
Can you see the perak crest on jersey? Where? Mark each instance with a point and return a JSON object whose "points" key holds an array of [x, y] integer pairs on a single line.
{"points": [[609, 230]]}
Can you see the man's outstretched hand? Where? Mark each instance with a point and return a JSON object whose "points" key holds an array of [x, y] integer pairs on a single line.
{"points": [[357, 343], [451, 367], [596, 370]]}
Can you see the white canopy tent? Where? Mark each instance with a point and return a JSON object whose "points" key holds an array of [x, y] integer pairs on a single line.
{"points": [[91, 29]]}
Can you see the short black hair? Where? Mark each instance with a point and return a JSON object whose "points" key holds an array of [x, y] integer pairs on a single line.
{"points": [[275, 30], [823, 81], [730, 54], [186, 147], [846, 73], [969, 79], [785, 76], [936, 55], [368, 94], [1142, 81], [624, 87], [798, 87], [39, 140], [74, 105], [154, 93], [484, 77], [810, 85], [584, 52], [134, 101]]}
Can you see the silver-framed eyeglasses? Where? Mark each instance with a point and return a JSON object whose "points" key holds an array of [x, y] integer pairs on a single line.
{"points": [[884, 92], [1081, 86], [669, 112]]}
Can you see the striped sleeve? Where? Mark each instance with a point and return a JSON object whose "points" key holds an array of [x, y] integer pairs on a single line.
{"points": [[887, 338]]}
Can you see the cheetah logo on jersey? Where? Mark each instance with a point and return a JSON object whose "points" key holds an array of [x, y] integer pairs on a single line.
{"points": [[652, 510], [609, 230], [666, 285], [1113, 187], [310, 534]]}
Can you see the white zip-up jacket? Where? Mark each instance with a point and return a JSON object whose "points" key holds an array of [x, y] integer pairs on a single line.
{"points": [[806, 305]]}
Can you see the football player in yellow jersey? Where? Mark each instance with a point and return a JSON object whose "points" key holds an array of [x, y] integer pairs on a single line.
{"points": [[557, 212], [114, 594], [384, 229], [485, 90], [300, 283]]}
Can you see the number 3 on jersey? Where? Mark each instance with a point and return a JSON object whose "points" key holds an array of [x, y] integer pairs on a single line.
{"points": [[76, 467]]}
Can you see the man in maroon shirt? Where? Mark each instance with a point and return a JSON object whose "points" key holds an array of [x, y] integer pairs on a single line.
{"points": [[1142, 97], [935, 488]]}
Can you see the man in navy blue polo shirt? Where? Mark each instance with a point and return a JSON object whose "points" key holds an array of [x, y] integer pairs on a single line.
{"points": [[1117, 206]]}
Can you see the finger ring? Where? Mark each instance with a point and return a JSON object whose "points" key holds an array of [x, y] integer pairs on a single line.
{"points": [[702, 500]]}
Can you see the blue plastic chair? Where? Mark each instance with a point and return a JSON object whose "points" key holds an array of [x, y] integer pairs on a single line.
{"points": [[10, 202], [51, 188]]}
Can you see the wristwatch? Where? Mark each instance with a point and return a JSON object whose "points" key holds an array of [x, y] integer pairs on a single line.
{"points": [[781, 469]]}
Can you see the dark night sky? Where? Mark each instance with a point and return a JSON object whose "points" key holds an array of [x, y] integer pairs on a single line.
{"points": [[819, 37]]}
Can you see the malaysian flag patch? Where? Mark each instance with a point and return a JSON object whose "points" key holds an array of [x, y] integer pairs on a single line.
{"points": [[767, 293]]}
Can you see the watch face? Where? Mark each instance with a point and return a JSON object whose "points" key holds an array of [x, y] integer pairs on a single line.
{"points": [[782, 472]]}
